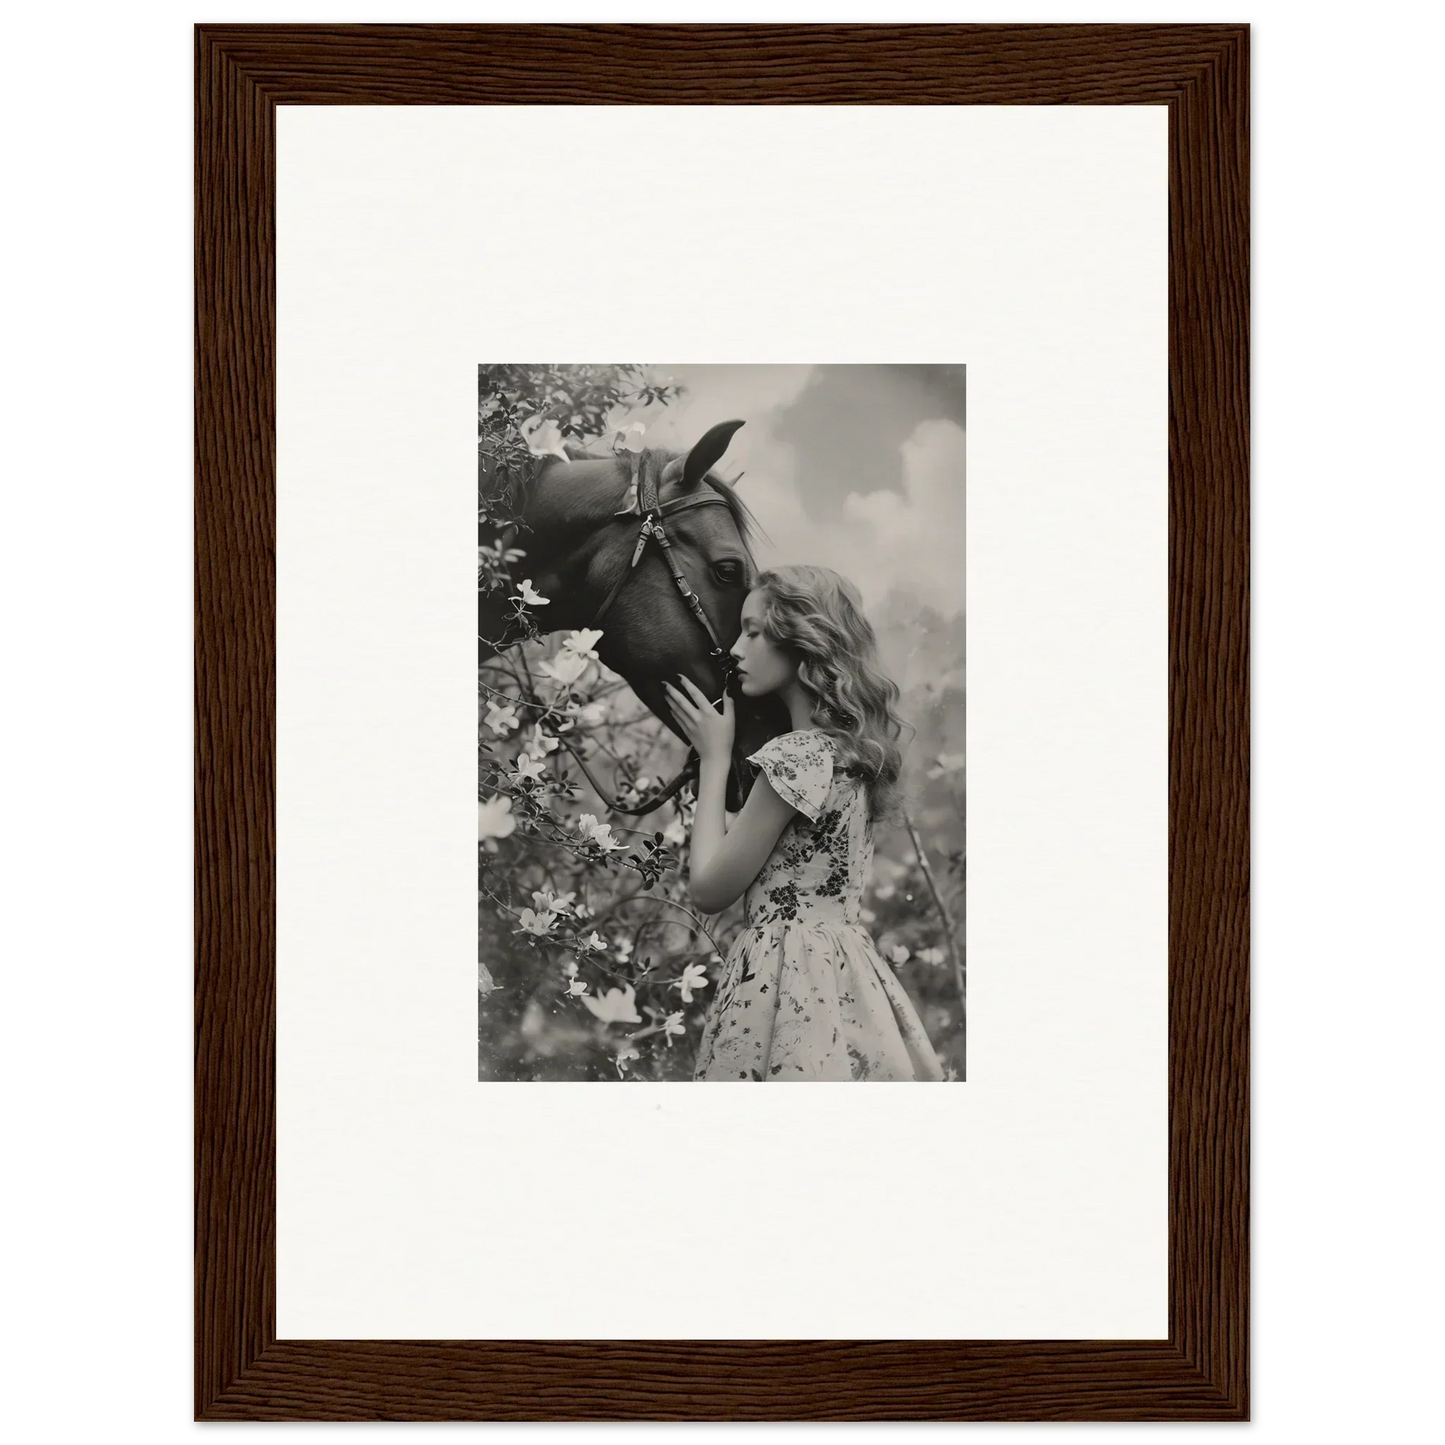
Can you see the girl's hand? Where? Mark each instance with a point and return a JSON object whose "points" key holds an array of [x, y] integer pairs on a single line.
{"points": [[708, 730]]}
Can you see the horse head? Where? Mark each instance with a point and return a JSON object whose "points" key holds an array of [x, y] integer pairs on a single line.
{"points": [[581, 529]]}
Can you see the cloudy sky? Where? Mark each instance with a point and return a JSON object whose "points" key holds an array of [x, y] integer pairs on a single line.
{"points": [[859, 468]]}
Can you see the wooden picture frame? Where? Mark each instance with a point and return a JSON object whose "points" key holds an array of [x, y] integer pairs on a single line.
{"points": [[243, 1372]]}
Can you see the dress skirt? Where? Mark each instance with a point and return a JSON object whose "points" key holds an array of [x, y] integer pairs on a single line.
{"points": [[807, 999]]}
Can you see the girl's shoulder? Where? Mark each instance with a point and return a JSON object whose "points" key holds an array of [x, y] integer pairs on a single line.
{"points": [[799, 765], [802, 745]]}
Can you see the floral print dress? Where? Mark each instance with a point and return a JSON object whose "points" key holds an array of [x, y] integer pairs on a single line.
{"points": [[804, 993]]}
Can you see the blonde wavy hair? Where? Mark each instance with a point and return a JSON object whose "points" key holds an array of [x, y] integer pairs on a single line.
{"points": [[816, 617]]}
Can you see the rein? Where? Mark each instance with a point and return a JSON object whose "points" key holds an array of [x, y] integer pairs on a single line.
{"points": [[675, 786]]}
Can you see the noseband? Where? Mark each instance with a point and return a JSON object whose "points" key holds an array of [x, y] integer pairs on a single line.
{"points": [[643, 502]]}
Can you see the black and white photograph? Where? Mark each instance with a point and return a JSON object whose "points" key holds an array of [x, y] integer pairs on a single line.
{"points": [[721, 723]]}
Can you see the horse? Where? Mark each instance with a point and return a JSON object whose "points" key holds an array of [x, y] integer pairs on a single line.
{"points": [[586, 524]]}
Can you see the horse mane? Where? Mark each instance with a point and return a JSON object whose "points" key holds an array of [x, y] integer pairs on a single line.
{"points": [[743, 519]]}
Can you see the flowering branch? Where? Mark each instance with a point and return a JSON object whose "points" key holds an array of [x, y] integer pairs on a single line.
{"points": [[950, 932]]}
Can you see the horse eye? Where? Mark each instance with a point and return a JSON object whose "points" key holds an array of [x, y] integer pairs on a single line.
{"points": [[728, 571]]}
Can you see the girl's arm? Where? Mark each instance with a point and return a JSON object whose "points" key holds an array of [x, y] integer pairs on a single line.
{"points": [[724, 861]]}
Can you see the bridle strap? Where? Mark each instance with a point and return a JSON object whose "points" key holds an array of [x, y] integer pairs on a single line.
{"points": [[642, 494], [643, 501]]}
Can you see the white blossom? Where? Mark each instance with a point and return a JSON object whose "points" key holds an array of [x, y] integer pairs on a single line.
{"points": [[494, 818], [583, 641], [541, 743], [693, 976], [564, 669], [550, 902], [629, 438], [598, 833], [486, 984], [616, 1006], [501, 720], [544, 439], [528, 769], [538, 924], [602, 837], [528, 594]]}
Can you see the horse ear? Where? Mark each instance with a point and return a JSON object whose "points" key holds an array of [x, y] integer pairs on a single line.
{"points": [[707, 452]]}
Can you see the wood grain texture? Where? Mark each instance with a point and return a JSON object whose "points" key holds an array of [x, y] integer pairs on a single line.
{"points": [[242, 1371]]}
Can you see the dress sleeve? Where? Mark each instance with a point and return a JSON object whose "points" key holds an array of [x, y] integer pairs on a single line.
{"points": [[800, 768]]}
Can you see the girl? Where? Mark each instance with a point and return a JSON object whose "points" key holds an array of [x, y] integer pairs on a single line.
{"points": [[803, 993]]}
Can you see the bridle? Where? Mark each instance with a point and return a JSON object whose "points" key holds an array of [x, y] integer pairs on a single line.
{"points": [[642, 501]]}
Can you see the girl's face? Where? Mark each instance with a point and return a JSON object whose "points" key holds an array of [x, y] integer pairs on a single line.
{"points": [[763, 668]]}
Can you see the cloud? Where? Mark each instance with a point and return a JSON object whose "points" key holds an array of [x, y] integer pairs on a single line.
{"points": [[911, 542], [908, 541], [918, 537], [721, 393]]}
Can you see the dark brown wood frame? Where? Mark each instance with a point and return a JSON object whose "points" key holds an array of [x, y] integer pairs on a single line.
{"points": [[243, 1372]]}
